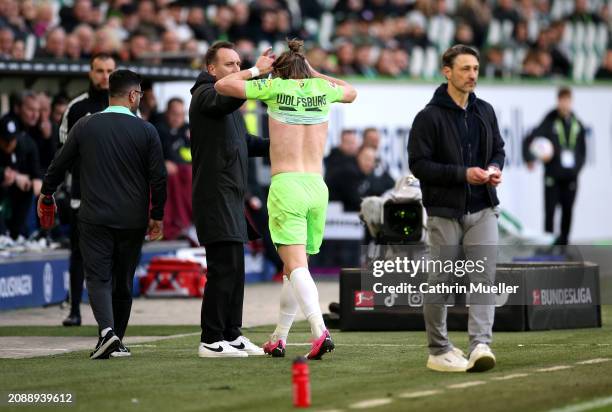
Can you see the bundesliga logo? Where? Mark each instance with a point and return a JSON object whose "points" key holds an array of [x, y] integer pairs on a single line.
{"points": [[364, 299]]}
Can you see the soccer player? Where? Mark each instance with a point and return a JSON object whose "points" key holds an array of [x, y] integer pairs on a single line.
{"points": [[298, 100]]}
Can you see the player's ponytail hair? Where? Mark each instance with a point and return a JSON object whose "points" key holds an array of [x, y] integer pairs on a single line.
{"points": [[291, 64]]}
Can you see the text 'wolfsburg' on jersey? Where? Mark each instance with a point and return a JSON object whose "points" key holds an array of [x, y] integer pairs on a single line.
{"points": [[295, 101]]}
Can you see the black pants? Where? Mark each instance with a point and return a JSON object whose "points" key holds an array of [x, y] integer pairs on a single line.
{"points": [[76, 265], [21, 202], [221, 316], [110, 257], [559, 192]]}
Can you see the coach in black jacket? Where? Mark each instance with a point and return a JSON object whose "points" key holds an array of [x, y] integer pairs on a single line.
{"points": [[94, 100], [121, 173], [220, 147], [456, 151]]}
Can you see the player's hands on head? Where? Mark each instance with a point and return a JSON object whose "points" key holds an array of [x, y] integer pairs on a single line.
{"points": [[265, 61]]}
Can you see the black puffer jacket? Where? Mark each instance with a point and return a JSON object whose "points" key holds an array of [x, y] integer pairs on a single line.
{"points": [[436, 153], [220, 147]]}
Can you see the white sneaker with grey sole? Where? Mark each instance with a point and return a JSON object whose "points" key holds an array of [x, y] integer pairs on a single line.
{"points": [[451, 361], [244, 344], [481, 359], [220, 349]]}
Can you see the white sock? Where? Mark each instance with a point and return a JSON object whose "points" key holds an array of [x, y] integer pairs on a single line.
{"points": [[288, 309], [308, 298], [105, 331]]}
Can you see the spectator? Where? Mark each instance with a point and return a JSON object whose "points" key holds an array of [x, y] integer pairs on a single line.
{"points": [[58, 107], [18, 51], [363, 61], [196, 20], [464, 34], [7, 39], [582, 14], [343, 153], [44, 19], [319, 60], [346, 59], [605, 71], [477, 16], [356, 180], [222, 23], [55, 45], [81, 12], [87, 40], [371, 138], [46, 133], [385, 66], [20, 165], [532, 67], [248, 53], [148, 20], [506, 11], [73, 47], [494, 63], [241, 26], [138, 45], [148, 104], [176, 145]]}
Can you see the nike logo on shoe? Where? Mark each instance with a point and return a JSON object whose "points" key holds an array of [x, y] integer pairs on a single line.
{"points": [[219, 349], [240, 347]]}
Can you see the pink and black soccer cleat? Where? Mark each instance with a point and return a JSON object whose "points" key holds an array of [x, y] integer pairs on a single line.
{"points": [[321, 346], [276, 349]]}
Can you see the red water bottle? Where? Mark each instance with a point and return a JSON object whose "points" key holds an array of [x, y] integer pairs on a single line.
{"points": [[301, 383], [47, 207]]}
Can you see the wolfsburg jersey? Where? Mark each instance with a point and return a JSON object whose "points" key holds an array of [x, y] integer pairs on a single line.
{"points": [[304, 101]]}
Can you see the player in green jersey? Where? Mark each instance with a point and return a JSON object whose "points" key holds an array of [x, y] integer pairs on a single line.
{"points": [[298, 100]]}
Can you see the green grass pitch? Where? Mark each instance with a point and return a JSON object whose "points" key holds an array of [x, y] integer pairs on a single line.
{"points": [[167, 375]]}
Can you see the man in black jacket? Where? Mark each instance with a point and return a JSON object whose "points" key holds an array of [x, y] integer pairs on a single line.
{"points": [[566, 132], [456, 151], [220, 147], [92, 101], [124, 169]]}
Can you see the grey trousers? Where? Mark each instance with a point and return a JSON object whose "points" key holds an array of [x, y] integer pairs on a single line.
{"points": [[475, 236]]}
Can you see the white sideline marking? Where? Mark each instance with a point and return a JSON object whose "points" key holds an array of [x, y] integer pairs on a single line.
{"points": [[419, 394], [595, 403], [513, 376], [593, 361], [371, 403], [554, 368], [465, 384]]}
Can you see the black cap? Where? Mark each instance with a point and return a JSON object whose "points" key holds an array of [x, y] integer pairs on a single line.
{"points": [[8, 128]]}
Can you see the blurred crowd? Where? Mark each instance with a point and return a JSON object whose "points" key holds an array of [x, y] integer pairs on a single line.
{"points": [[371, 38], [29, 138]]}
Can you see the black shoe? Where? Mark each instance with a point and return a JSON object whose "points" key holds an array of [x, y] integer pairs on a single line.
{"points": [[72, 320], [121, 352], [106, 345]]}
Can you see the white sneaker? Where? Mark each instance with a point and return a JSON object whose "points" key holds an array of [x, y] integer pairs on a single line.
{"points": [[220, 349], [450, 361], [243, 344], [481, 359]]}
